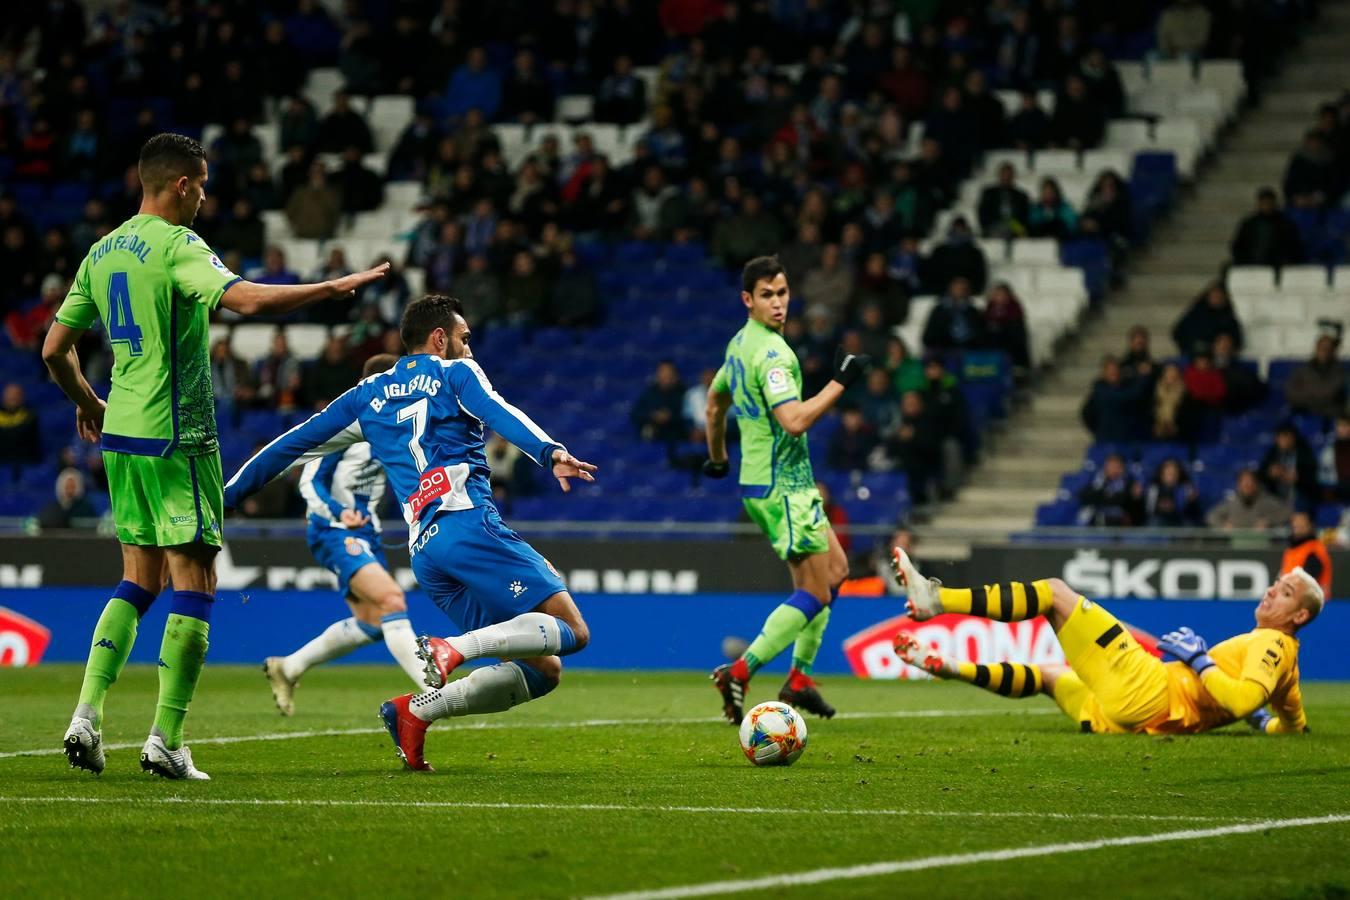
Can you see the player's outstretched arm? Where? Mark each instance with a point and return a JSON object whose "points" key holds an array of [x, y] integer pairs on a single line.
{"points": [[58, 352], [797, 416], [333, 429], [717, 464], [250, 299]]}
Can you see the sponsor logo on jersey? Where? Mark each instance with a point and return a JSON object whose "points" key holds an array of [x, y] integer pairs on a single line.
{"points": [[434, 483], [417, 545], [22, 640], [215, 261], [778, 380]]}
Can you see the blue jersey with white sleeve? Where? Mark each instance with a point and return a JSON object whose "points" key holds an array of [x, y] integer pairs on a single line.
{"points": [[423, 420], [349, 479]]}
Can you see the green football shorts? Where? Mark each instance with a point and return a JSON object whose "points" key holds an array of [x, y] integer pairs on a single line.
{"points": [[166, 501], [795, 523]]}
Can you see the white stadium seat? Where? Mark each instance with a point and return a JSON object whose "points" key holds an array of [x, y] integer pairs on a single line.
{"points": [[1127, 134], [1251, 280], [307, 340], [1021, 279], [1062, 280], [320, 87], [995, 249], [1017, 158], [1055, 162], [1178, 75], [1304, 279], [1035, 251], [252, 340], [1330, 309], [575, 108], [1097, 161], [302, 256]]}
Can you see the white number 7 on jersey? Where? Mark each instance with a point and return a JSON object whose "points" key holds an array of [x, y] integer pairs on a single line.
{"points": [[418, 413]]}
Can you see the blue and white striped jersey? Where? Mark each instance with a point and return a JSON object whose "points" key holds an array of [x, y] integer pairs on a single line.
{"points": [[424, 420], [348, 479]]}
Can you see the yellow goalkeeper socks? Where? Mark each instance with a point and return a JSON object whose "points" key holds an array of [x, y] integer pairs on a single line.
{"points": [[1009, 602], [1006, 679]]}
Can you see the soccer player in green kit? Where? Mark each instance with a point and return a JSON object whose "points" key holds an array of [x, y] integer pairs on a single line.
{"points": [[761, 381], [153, 283]]}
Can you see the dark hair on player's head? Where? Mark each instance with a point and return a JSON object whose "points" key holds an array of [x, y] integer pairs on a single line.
{"points": [[759, 269], [378, 363], [424, 316], [167, 157]]}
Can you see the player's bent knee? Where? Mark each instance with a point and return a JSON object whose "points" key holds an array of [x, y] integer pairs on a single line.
{"points": [[542, 674], [393, 602], [581, 636]]}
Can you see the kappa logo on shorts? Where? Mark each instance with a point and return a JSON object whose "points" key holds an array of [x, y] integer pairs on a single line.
{"points": [[517, 589]]}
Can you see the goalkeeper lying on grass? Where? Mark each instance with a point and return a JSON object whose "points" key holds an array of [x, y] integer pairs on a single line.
{"points": [[1113, 685]]}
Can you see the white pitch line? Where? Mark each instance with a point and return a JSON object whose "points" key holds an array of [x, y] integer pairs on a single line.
{"points": [[618, 807], [583, 723], [870, 870]]}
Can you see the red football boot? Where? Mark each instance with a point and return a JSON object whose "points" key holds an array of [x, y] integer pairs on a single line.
{"points": [[408, 731], [441, 659]]}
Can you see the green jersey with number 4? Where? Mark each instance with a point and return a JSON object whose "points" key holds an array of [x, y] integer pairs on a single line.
{"points": [[153, 285], [761, 372]]}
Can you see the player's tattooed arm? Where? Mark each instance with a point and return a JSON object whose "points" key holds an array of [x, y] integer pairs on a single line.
{"points": [[58, 352]]}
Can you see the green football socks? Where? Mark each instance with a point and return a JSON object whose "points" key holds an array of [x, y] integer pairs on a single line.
{"points": [[808, 642], [114, 636], [182, 655], [781, 628]]}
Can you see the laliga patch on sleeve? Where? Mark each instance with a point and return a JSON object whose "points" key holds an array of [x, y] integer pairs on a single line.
{"points": [[215, 261], [777, 381]]}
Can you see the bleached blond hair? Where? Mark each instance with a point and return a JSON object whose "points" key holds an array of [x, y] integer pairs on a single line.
{"points": [[1313, 596]]}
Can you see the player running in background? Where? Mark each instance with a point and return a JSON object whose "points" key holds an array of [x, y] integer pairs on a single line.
{"points": [[343, 491], [1113, 685], [153, 283], [761, 381], [424, 421]]}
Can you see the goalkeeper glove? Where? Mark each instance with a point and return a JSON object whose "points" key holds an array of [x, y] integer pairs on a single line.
{"points": [[1188, 647], [849, 367], [713, 469], [1259, 720]]}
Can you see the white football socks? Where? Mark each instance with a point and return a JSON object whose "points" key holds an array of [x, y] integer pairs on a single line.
{"points": [[527, 635], [486, 690], [337, 639], [401, 643]]}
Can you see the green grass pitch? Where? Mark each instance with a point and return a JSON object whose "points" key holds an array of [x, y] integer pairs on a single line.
{"points": [[556, 799]]}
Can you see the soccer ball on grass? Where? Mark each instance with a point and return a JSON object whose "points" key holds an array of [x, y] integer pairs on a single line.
{"points": [[773, 734]]}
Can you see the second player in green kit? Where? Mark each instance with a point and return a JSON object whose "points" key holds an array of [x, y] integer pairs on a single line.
{"points": [[760, 382], [153, 283]]}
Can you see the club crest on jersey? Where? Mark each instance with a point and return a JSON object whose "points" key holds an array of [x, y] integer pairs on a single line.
{"points": [[356, 546]]}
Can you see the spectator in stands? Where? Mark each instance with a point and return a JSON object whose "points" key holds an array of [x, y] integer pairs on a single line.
{"points": [[946, 406], [260, 190], [1249, 506], [1113, 411], [335, 265], [907, 84], [278, 376], [20, 437], [1078, 123], [70, 503], [359, 59], [1210, 315], [1109, 213], [572, 301], [905, 370], [1051, 215], [1319, 385], [954, 323], [828, 287], [231, 381], [1112, 498], [328, 376], [315, 207], [280, 72], [1312, 180], [1173, 410], [359, 186], [1103, 82], [278, 499], [1205, 384], [879, 404], [480, 290], [526, 96], [80, 154], [917, 446], [749, 233], [1172, 500], [1138, 358], [274, 269], [1289, 469], [299, 125], [474, 85], [1183, 30], [412, 156], [852, 445], [27, 327], [1029, 127], [391, 294], [695, 409], [243, 231], [512, 470], [1306, 550], [1334, 465], [958, 256], [876, 287], [524, 290], [294, 172], [1005, 325], [1004, 207], [344, 127], [649, 203], [658, 414], [622, 96], [1267, 237], [19, 277], [872, 330], [1017, 60], [1242, 386]]}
